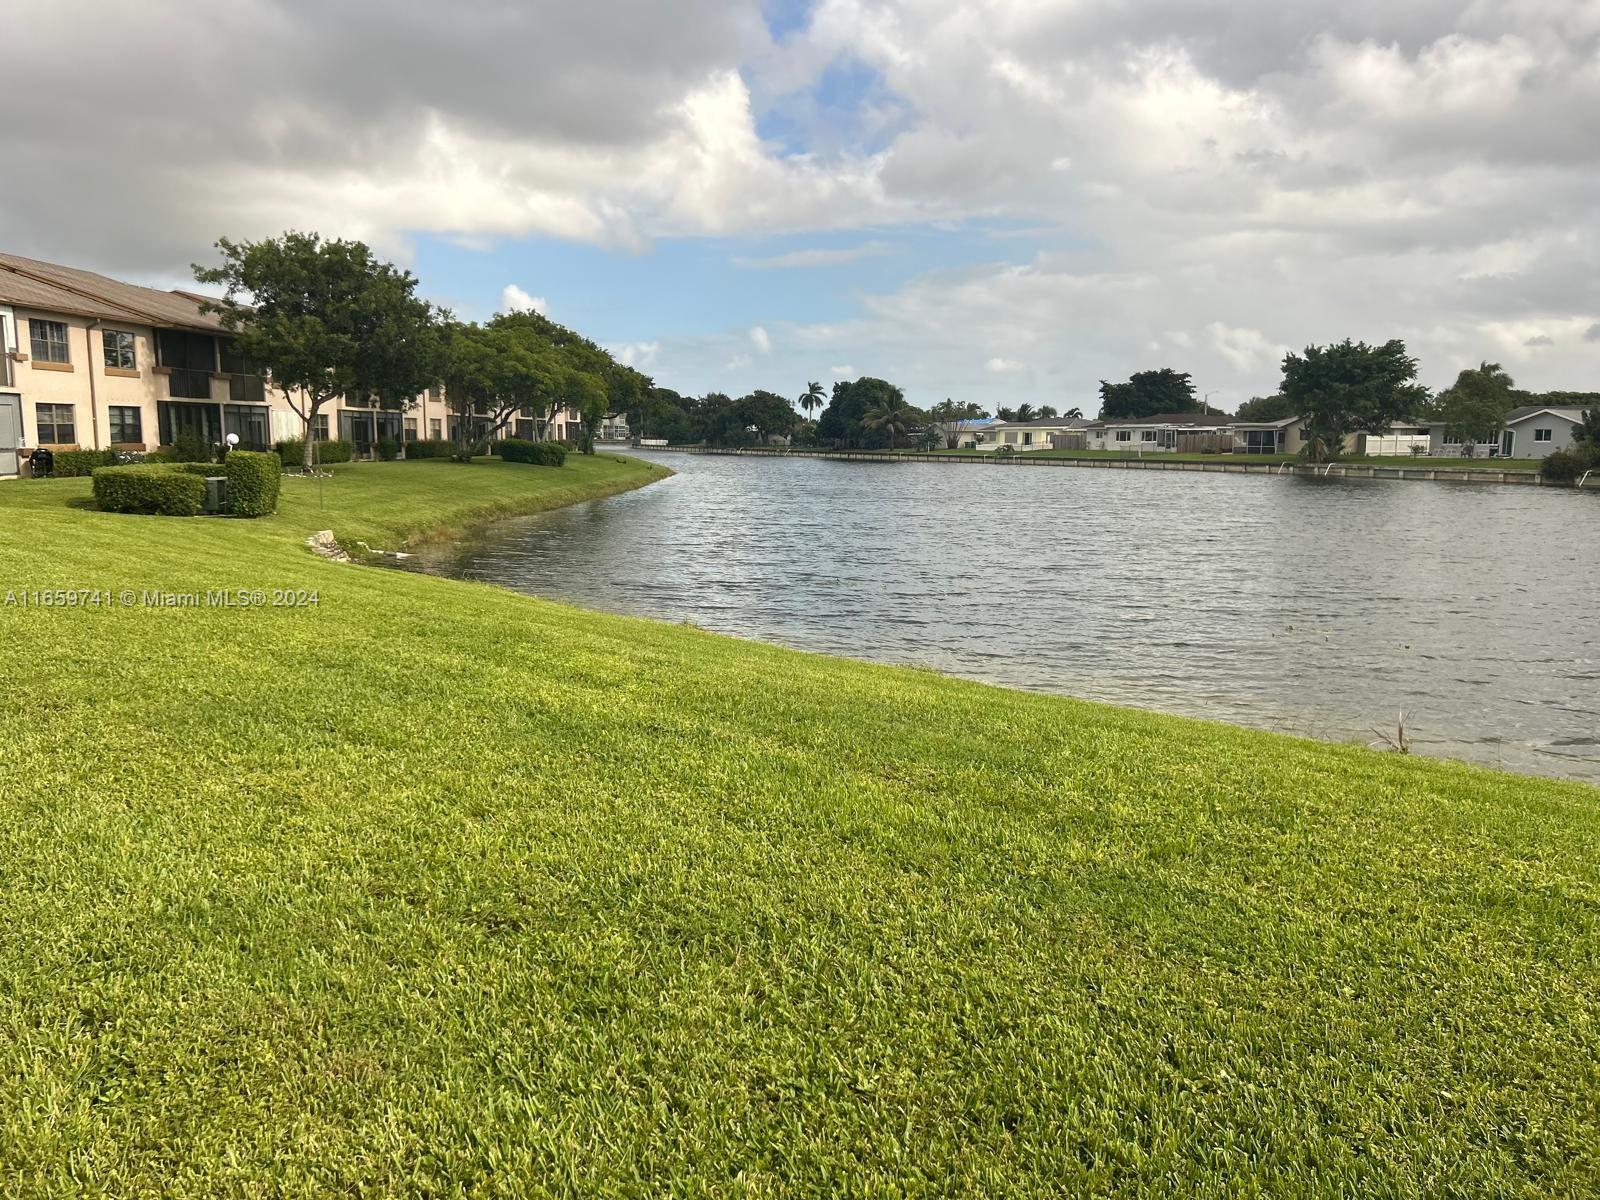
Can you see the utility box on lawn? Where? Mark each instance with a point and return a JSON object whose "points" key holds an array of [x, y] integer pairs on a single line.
{"points": [[216, 494]]}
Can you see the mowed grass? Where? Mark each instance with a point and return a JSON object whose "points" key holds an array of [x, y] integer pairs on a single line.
{"points": [[437, 890]]}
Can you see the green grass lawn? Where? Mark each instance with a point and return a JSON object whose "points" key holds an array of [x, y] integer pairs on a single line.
{"points": [[433, 889]]}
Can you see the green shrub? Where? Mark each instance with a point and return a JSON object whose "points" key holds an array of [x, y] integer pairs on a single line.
{"points": [[388, 449], [1566, 466], [253, 483], [430, 448], [159, 456], [292, 452], [71, 463], [190, 448], [161, 490], [540, 454]]}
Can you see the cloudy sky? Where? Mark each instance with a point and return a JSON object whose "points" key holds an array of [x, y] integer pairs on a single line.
{"points": [[997, 201]]}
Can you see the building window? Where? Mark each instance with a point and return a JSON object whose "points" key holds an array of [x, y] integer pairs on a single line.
{"points": [[1027, 439], [248, 423], [411, 429], [1541, 435], [1124, 435], [1148, 435], [319, 427], [191, 357], [49, 340], [55, 423], [118, 345], [247, 382], [126, 425], [1011, 439], [435, 428]]}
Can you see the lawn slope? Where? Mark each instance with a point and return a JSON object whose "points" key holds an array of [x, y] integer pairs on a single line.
{"points": [[432, 889]]}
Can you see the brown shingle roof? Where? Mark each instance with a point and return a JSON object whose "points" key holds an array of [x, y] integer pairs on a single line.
{"points": [[30, 283]]}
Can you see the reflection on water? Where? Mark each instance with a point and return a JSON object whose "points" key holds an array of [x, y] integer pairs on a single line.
{"points": [[1323, 607]]}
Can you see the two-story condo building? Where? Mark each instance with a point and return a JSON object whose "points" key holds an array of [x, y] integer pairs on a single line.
{"points": [[89, 362]]}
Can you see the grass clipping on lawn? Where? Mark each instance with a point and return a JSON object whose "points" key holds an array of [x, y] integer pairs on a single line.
{"points": [[433, 889]]}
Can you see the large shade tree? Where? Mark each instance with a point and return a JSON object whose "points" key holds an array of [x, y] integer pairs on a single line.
{"points": [[1147, 393], [842, 422], [1350, 387], [326, 318], [1475, 406]]}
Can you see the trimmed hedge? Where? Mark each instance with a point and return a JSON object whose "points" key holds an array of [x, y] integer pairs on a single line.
{"points": [[253, 482], [72, 463], [292, 452], [388, 449], [540, 454], [430, 448], [158, 490]]}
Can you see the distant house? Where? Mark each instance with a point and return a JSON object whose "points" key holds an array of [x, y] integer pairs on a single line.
{"points": [[1019, 436], [1161, 432], [1288, 436], [1537, 431]]}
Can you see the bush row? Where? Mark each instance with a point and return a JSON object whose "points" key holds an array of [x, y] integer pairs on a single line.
{"points": [[540, 454], [179, 489], [70, 463], [430, 448], [292, 451]]}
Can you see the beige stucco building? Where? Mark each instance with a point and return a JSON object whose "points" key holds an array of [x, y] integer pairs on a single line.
{"points": [[89, 362]]}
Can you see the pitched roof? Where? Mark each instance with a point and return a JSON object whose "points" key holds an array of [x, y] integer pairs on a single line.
{"points": [[1572, 412], [1042, 422], [31, 283], [1203, 420]]}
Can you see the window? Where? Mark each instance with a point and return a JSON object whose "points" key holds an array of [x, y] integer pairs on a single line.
{"points": [[118, 345], [524, 430], [1011, 439], [248, 423], [191, 357], [435, 428], [1148, 435], [1027, 439], [247, 382], [411, 429], [126, 426], [49, 340], [1541, 435], [319, 427], [1124, 435], [56, 426]]}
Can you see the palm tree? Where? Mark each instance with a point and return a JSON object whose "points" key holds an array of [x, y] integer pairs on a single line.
{"points": [[1075, 413], [1006, 414], [892, 415], [1026, 413], [813, 399], [1047, 412]]}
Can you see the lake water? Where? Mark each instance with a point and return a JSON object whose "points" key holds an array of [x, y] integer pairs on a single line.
{"points": [[1321, 607]]}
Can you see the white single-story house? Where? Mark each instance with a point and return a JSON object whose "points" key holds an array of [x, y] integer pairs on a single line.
{"points": [[1161, 432], [1537, 431], [1288, 436], [1019, 436]]}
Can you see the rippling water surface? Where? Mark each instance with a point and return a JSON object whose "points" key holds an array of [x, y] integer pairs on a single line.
{"points": [[1323, 607]]}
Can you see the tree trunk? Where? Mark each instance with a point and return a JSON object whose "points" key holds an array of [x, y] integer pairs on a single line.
{"points": [[306, 450]]}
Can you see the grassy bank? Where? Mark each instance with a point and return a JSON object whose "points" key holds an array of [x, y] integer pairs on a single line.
{"points": [[434, 889]]}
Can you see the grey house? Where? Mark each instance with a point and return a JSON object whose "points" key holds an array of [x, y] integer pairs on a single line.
{"points": [[1537, 431]]}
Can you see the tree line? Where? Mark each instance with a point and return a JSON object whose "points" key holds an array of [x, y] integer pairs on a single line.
{"points": [[328, 319]]}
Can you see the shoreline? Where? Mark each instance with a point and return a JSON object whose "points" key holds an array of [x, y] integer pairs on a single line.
{"points": [[1410, 474]]}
